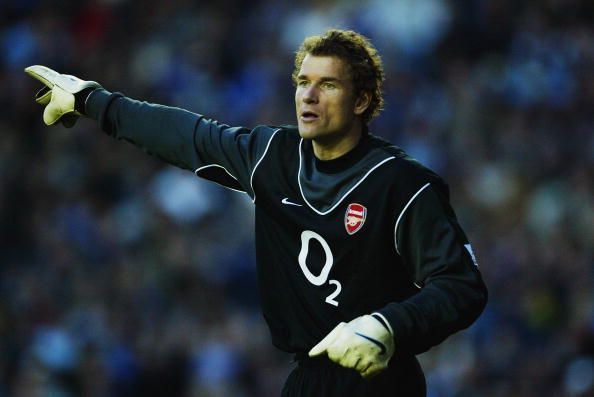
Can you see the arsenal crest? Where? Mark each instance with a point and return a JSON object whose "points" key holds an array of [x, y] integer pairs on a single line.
{"points": [[354, 218]]}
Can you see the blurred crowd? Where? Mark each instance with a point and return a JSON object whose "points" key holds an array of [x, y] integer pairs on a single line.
{"points": [[123, 276]]}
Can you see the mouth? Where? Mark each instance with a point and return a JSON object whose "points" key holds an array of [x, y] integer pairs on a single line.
{"points": [[308, 116]]}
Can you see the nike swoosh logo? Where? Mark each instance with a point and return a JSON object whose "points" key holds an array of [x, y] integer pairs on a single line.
{"points": [[286, 201], [375, 342]]}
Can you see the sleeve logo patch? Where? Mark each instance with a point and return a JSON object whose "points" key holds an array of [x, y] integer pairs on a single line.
{"points": [[354, 218]]}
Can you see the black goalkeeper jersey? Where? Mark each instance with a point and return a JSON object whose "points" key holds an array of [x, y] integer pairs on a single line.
{"points": [[369, 232]]}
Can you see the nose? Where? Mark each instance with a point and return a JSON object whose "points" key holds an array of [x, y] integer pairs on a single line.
{"points": [[310, 95]]}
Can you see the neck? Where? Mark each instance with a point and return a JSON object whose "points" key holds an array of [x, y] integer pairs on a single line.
{"points": [[333, 148]]}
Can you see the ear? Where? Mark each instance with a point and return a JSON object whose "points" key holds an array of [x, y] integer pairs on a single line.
{"points": [[362, 102]]}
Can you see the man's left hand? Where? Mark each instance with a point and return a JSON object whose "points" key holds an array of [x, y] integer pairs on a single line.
{"points": [[363, 344]]}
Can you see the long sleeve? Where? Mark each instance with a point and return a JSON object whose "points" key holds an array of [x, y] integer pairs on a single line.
{"points": [[441, 263], [215, 151]]}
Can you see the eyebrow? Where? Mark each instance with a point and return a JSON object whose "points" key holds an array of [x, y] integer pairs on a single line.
{"points": [[323, 79]]}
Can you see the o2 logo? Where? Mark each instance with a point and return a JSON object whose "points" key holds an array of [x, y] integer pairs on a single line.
{"points": [[320, 279]]}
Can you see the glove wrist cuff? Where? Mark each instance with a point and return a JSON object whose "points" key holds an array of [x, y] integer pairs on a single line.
{"points": [[383, 321], [80, 100]]}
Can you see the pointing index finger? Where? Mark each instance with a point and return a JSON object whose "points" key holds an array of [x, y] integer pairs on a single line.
{"points": [[43, 74]]}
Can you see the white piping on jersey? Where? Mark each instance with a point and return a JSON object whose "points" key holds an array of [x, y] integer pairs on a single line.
{"points": [[258, 163], [227, 171], [403, 211], [346, 194]]}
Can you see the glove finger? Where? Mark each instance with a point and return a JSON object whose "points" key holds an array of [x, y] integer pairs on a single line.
{"points": [[351, 360], [51, 114], [362, 365], [43, 96], [372, 371], [340, 353], [43, 74], [61, 103], [327, 341]]}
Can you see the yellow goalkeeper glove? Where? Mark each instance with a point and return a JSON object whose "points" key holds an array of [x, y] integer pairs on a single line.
{"points": [[364, 344], [58, 95]]}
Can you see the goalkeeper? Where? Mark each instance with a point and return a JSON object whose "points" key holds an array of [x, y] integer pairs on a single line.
{"points": [[362, 263]]}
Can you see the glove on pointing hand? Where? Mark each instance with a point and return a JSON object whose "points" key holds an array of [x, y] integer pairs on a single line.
{"points": [[58, 95]]}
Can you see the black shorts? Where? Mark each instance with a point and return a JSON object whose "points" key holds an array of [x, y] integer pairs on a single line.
{"points": [[320, 377]]}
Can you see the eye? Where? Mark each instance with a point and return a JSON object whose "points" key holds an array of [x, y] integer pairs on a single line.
{"points": [[328, 85], [302, 83]]}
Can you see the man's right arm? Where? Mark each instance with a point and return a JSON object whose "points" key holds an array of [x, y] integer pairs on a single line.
{"points": [[165, 132], [182, 138], [223, 154]]}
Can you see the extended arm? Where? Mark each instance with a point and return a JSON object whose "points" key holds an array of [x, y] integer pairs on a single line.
{"points": [[226, 155]]}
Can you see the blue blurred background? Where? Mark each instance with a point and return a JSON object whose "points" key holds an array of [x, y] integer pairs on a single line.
{"points": [[122, 276]]}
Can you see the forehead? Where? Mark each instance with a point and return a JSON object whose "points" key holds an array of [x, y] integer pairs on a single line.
{"points": [[314, 66]]}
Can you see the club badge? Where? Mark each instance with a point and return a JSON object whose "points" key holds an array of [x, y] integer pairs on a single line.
{"points": [[354, 218]]}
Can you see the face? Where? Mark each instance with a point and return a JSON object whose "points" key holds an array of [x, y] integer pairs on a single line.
{"points": [[326, 105]]}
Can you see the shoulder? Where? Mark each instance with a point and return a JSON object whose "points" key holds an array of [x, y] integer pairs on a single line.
{"points": [[276, 138], [257, 140], [274, 143], [280, 131], [407, 174]]}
